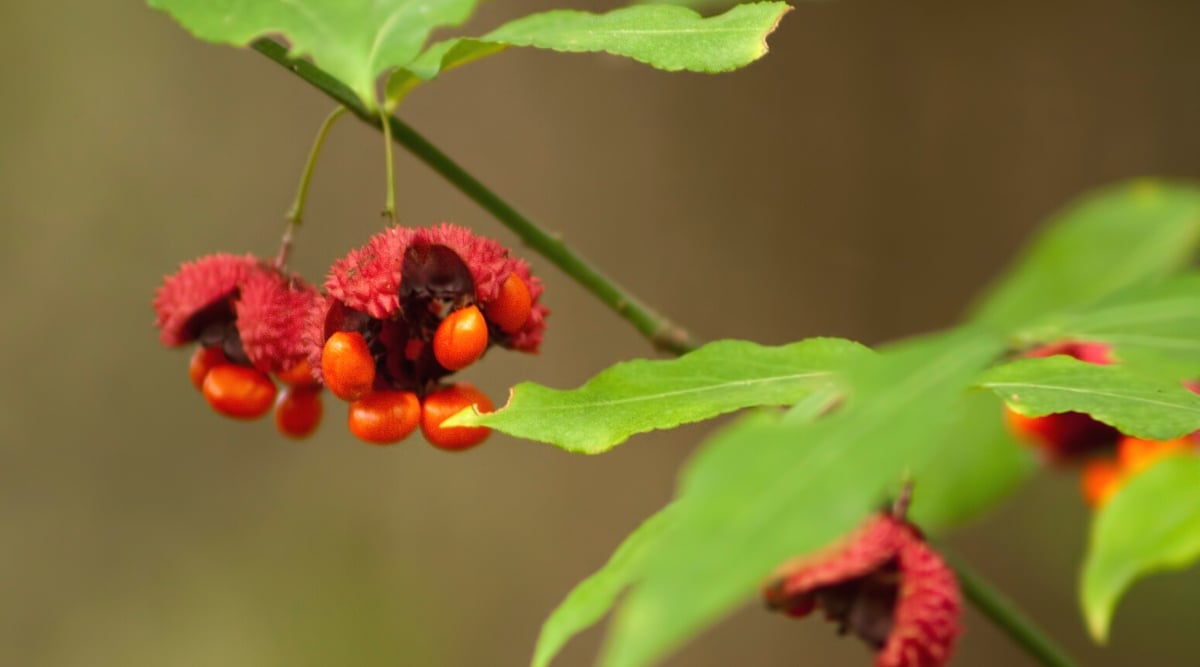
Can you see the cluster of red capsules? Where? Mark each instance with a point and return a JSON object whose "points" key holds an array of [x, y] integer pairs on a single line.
{"points": [[883, 584], [1108, 458], [397, 318]]}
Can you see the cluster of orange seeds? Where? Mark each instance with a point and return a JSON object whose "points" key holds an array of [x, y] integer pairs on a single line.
{"points": [[396, 319]]}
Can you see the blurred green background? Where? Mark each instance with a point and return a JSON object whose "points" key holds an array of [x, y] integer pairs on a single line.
{"points": [[864, 180]]}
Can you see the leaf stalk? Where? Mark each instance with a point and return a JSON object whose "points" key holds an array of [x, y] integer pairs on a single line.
{"points": [[295, 214]]}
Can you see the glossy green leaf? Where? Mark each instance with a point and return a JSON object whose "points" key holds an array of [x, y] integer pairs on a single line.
{"points": [[978, 463], [1151, 525], [1146, 406], [591, 599], [642, 395], [594, 596], [766, 490], [666, 37], [1157, 323], [354, 40], [1107, 241]]}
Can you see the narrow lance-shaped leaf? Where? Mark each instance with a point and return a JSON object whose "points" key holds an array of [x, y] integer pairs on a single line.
{"points": [[978, 463], [591, 599], [594, 596], [1157, 323], [1151, 525], [764, 491], [666, 37], [1109, 240], [354, 40], [642, 395], [1136, 404]]}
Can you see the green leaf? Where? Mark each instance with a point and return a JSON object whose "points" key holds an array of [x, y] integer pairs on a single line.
{"points": [[1139, 405], [766, 490], [1151, 525], [1158, 323], [641, 395], [1107, 241], [353, 40], [978, 463], [666, 37], [593, 597]]}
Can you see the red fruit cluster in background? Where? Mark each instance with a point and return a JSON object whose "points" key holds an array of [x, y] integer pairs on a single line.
{"points": [[398, 317], [885, 585], [1108, 458]]}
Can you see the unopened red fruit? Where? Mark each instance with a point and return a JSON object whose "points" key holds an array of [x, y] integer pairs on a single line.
{"points": [[347, 365], [441, 405], [240, 392], [203, 361], [384, 417], [298, 411], [460, 339], [511, 308]]}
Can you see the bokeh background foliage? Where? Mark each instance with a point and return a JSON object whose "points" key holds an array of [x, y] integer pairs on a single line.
{"points": [[913, 149]]}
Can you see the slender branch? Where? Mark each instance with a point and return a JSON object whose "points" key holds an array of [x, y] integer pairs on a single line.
{"points": [[295, 214], [1005, 615], [389, 208], [665, 335]]}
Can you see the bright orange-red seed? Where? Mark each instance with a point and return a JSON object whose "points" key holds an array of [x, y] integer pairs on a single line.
{"points": [[1136, 454], [441, 405], [460, 339], [1100, 479], [511, 308], [384, 417], [347, 365], [203, 361], [240, 392], [299, 375], [298, 411]]}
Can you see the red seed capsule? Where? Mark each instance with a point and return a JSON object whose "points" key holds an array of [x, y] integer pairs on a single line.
{"points": [[460, 339], [441, 405], [384, 417], [240, 392], [347, 365], [511, 308], [203, 361], [298, 411]]}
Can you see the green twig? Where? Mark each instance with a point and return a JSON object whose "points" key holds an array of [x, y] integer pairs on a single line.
{"points": [[389, 207], [295, 214], [662, 332], [1001, 611]]}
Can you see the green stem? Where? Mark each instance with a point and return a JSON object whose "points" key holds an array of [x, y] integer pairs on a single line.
{"points": [[389, 210], [662, 332], [295, 214], [1005, 615]]}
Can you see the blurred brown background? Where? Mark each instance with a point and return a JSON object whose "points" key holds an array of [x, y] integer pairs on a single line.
{"points": [[864, 180]]}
